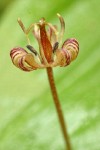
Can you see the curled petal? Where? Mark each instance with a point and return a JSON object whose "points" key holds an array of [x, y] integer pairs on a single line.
{"points": [[59, 58], [20, 60], [68, 52], [33, 61], [72, 46]]}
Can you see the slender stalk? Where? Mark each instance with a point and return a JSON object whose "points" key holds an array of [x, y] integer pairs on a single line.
{"points": [[58, 108]]}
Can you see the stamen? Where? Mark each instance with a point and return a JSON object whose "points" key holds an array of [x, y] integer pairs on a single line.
{"points": [[53, 29], [32, 49], [36, 32], [55, 47], [62, 27], [24, 29], [30, 27], [21, 25]]}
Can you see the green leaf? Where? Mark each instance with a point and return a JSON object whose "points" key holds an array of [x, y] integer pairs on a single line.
{"points": [[28, 119]]}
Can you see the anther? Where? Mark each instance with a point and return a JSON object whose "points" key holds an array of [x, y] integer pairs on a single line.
{"points": [[32, 49], [55, 46]]}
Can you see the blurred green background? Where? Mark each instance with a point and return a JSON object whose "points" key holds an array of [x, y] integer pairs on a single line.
{"points": [[28, 119]]}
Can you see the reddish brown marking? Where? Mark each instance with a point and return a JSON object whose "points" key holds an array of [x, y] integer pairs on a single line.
{"points": [[21, 65], [67, 55], [71, 41], [47, 48]]}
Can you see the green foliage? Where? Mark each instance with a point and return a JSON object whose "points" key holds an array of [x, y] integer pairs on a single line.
{"points": [[28, 119]]}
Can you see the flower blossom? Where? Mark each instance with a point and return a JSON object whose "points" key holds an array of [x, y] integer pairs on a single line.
{"points": [[51, 52]]}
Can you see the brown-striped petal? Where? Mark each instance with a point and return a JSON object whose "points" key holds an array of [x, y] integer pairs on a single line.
{"points": [[20, 59], [67, 53]]}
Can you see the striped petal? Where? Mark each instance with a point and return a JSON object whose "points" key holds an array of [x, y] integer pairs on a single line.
{"points": [[21, 59], [67, 53], [72, 46]]}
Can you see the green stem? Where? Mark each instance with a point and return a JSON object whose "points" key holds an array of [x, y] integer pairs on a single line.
{"points": [[58, 108]]}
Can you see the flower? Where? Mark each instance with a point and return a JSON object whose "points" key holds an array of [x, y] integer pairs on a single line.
{"points": [[51, 52]]}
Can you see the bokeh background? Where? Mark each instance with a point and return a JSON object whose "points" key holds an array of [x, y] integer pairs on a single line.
{"points": [[28, 119]]}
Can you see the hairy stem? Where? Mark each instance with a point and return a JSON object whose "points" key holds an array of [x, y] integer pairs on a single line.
{"points": [[58, 108]]}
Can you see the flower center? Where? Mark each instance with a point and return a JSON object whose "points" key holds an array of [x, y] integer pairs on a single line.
{"points": [[46, 45]]}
